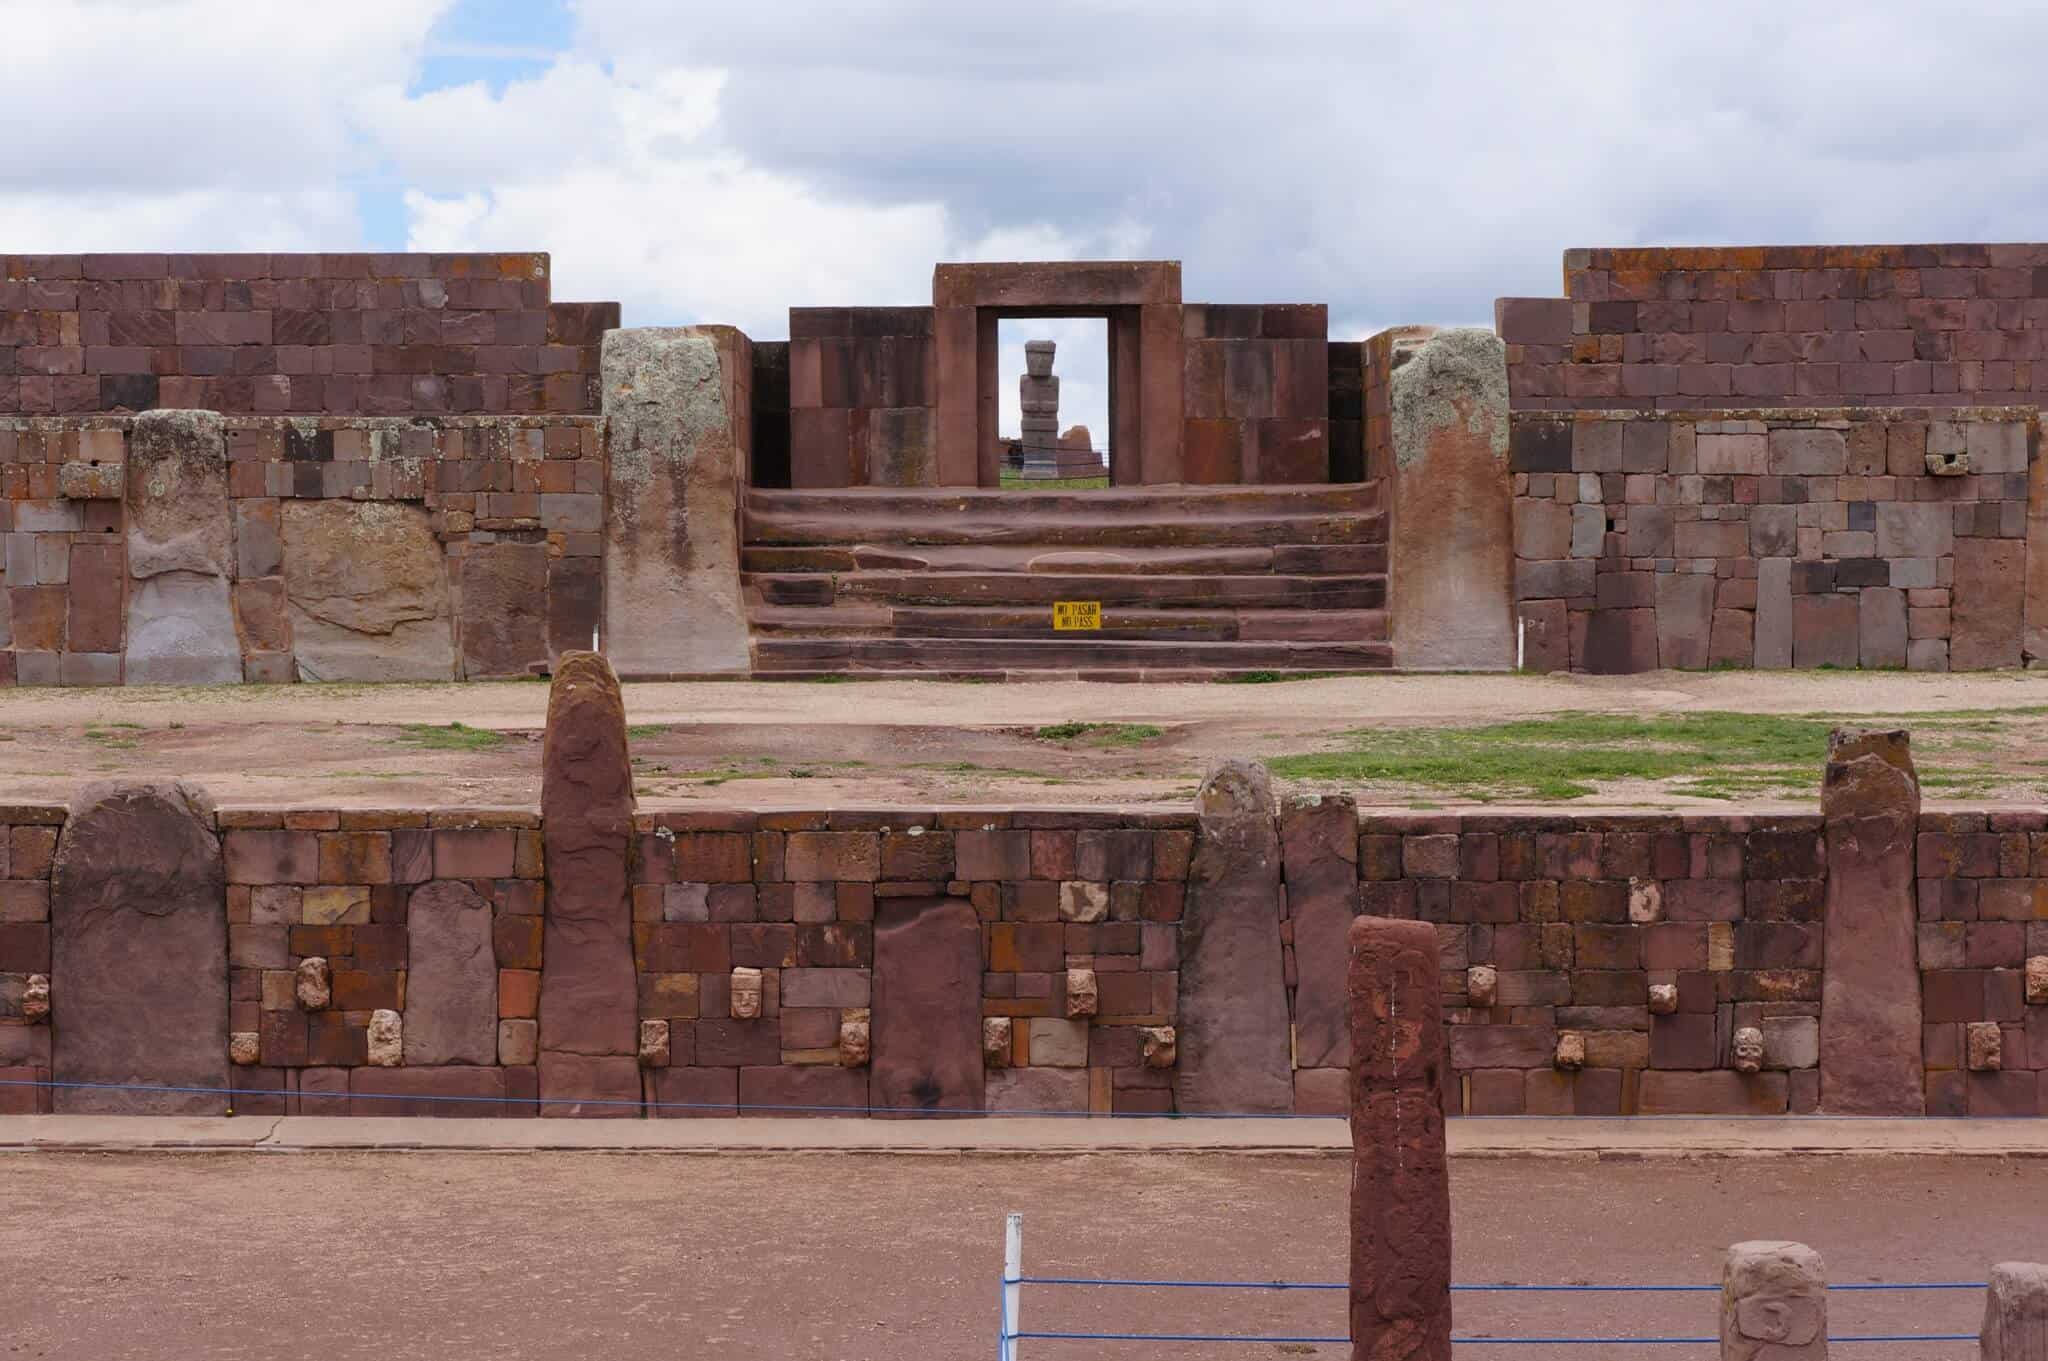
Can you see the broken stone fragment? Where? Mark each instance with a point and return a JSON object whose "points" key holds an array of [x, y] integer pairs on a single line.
{"points": [[1159, 1047], [82, 481], [1948, 465], [746, 994], [853, 1038], [1645, 901], [313, 984], [243, 1048], [35, 998], [387, 1039], [1749, 1049], [1081, 993], [1482, 985], [1773, 1303], [518, 1042], [2037, 981], [1663, 999], [1571, 1051], [1081, 901], [995, 1041], [1986, 1046], [2015, 1313], [654, 1044]]}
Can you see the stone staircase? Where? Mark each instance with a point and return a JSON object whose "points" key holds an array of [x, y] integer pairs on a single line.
{"points": [[1193, 581]]}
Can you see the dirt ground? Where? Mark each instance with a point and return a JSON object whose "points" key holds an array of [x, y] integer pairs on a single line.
{"points": [[887, 742], [382, 1257]]}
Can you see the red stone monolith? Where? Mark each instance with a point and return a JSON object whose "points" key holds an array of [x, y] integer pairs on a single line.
{"points": [[589, 1010], [1400, 1175]]}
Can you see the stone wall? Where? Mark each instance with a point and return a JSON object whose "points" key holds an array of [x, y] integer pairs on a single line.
{"points": [[1839, 537], [1030, 960], [1694, 328], [1257, 393], [378, 335], [353, 548], [861, 392]]}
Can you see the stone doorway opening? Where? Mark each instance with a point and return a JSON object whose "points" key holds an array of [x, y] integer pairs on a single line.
{"points": [[1054, 388]]}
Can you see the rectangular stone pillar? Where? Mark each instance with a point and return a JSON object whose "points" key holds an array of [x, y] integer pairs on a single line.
{"points": [[1319, 854], [589, 994], [2016, 1313], [927, 1006], [1451, 544], [1870, 1054], [676, 469], [1400, 1169], [1774, 1303], [180, 617], [1233, 988]]}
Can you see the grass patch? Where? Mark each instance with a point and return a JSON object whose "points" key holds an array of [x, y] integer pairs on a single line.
{"points": [[1014, 482], [1100, 734], [1566, 756], [639, 730], [1273, 677], [448, 737]]}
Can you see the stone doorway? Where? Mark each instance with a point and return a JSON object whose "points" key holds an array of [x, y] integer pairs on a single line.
{"points": [[1054, 394]]}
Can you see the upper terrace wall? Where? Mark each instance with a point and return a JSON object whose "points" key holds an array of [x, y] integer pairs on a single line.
{"points": [[369, 335]]}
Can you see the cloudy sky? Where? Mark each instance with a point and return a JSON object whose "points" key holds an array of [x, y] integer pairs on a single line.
{"points": [[1402, 162]]}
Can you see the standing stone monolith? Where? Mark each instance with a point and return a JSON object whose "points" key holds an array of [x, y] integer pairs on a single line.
{"points": [[1774, 1303], [139, 952], [180, 620], [1451, 550], [2015, 1313], [1319, 853], [1400, 1168], [1038, 401], [675, 407], [451, 981], [925, 1047], [589, 1009], [1870, 1038], [1233, 989]]}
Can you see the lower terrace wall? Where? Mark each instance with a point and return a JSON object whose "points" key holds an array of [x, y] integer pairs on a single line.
{"points": [[352, 548], [1876, 538], [1576, 923]]}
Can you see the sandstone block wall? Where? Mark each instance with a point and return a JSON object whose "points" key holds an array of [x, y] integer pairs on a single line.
{"points": [[1773, 538], [1691, 328], [359, 548], [356, 334], [1257, 393], [862, 384]]}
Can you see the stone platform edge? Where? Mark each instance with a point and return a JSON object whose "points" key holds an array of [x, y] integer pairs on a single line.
{"points": [[1589, 1137]]}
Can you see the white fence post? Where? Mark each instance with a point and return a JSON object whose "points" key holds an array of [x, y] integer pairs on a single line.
{"points": [[1013, 1270]]}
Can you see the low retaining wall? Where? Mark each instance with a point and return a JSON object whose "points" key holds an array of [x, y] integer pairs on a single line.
{"points": [[1031, 960]]}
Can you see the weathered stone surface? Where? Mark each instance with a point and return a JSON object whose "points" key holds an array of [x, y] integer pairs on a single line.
{"points": [[504, 610], [1400, 1171], [1881, 626], [1663, 999], [139, 951], [1570, 1055], [1319, 858], [590, 1086], [1984, 1046], [1159, 1046], [1989, 600], [2015, 1313], [451, 984], [368, 592], [1774, 1303], [746, 994], [35, 998], [654, 1044], [313, 984], [1685, 615], [181, 621], [1482, 985], [1233, 997], [1083, 997], [856, 1038], [1870, 1055], [1451, 529], [927, 1031], [588, 1006], [1748, 1049], [387, 1038], [244, 1048], [997, 1038], [1773, 613], [462, 1092], [1036, 1090], [671, 405], [2037, 980]]}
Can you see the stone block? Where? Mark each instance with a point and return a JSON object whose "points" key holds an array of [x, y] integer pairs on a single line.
{"points": [[1988, 602], [1685, 609], [1881, 627], [180, 626], [368, 593], [1824, 631], [2015, 1313], [1798, 452], [451, 1000], [1774, 1303], [1057, 1043], [503, 621], [927, 1005]]}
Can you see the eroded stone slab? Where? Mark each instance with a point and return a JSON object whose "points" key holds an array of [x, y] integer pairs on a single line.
{"points": [[1319, 856], [504, 610], [180, 618], [926, 1040], [451, 983], [139, 951], [367, 591], [2015, 1313], [1774, 1303]]}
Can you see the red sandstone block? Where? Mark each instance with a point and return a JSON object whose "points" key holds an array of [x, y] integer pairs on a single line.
{"points": [[1722, 1092], [479, 853], [272, 857], [816, 856]]}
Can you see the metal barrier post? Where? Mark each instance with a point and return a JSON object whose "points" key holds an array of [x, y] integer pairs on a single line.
{"points": [[1013, 1291]]}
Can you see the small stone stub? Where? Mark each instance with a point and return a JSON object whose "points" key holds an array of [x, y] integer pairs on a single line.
{"points": [[387, 1039], [1482, 985], [996, 1037], [854, 1039], [1645, 901], [244, 1046], [1663, 999], [313, 984], [1571, 1051], [1158, 1046], [1773, 1303], [1986, 1045], [35, 998], [654, 1044], [2037, 981], [1081, 993]]}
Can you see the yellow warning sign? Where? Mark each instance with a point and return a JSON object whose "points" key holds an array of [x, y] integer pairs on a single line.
{"points": [[1076, 614]]}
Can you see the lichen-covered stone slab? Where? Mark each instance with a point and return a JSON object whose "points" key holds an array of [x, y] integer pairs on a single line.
{"points": [[1233, 991], [926, 1043], [451, 981], [672, 397], [367, 591], [589, 1006], [180, 616], [139, 952], [1870, 1038], [1400, 1169]]}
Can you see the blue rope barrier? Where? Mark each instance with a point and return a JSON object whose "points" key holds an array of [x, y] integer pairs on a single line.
{"points": [[1462, 1340], [1502, 1289]]}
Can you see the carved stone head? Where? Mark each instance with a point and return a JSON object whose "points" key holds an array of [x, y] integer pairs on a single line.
{"points": [[1038, 357], [1749, 1049]]}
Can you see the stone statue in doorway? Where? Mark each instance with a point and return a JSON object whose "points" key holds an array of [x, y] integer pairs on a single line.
{"points": [[1038, 395]]}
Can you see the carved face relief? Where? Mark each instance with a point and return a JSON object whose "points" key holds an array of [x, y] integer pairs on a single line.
{"points": [[1793, 1320], [1749, 1049]]}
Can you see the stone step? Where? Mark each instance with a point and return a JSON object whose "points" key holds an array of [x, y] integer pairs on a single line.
{"points": [[1362, 592], [871, 621], [984, 656], [1138, 523], [1107, 502], [1286, 559]]}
